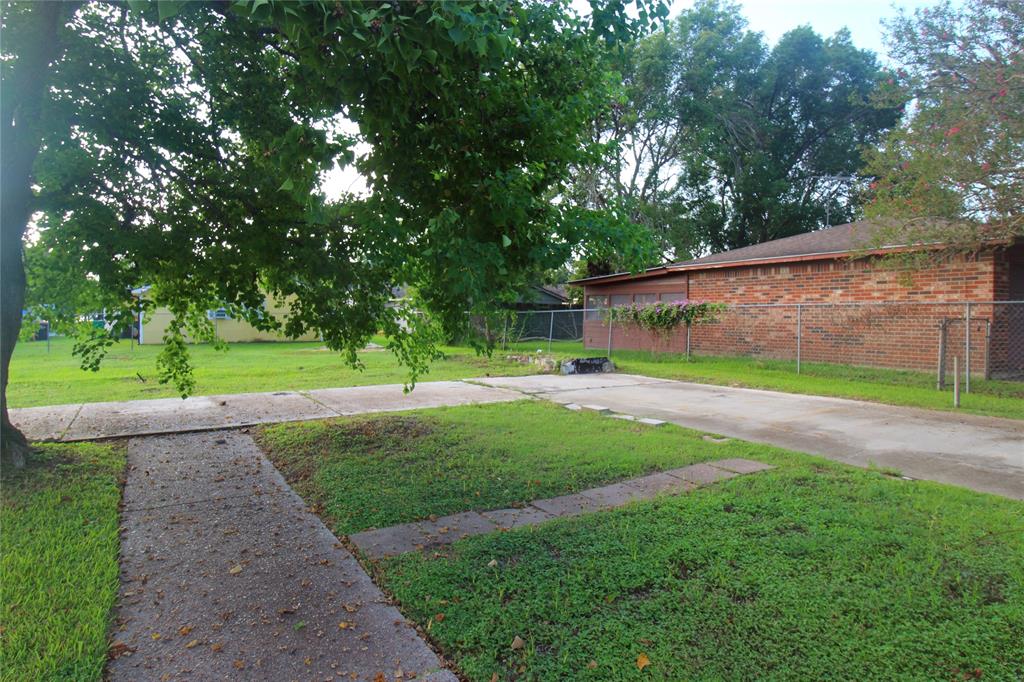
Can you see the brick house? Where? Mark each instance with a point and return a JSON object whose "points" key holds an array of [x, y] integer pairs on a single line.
{"points": [[852, 309]]}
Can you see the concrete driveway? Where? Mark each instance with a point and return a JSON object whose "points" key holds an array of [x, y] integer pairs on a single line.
{"points": [[981, 453]]}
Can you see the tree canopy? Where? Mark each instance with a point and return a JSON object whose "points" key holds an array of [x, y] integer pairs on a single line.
{"points": [[953, 172], [182, 145], [727, 143]]}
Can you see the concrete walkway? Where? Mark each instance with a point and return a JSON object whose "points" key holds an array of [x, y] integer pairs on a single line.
{"points": [[92, 421], [981, 453], [424, 535], [226, 575]]}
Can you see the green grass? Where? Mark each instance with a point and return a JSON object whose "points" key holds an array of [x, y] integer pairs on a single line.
{"points": [[365, 472], [129, 372], [895, 387], [814, 570], [58, 553]]}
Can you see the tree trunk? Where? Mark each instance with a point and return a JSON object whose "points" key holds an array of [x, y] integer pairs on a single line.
{"points": [[25, 88]]}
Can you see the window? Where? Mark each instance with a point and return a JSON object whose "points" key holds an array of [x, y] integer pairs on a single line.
{"points": [[594, 306], [675, 296], [645, 298], [619, 300]]}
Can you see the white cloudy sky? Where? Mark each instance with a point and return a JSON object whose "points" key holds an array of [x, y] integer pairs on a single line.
{"points": [[772, 18]]}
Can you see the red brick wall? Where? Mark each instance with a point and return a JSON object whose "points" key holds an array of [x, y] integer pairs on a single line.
{"points": [[896, 332]]}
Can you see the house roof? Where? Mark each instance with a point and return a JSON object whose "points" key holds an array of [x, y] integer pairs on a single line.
{"points": [[553, 290], [829, 242]]}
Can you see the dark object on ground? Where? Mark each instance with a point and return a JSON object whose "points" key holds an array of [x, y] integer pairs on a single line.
{"points": [[587, 366]]}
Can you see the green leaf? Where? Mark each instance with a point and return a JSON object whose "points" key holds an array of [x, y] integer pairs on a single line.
{"points": [[505, 241], [168, 8], [457, 35], [286, 186]]}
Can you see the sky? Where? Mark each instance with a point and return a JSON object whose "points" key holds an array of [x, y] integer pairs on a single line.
{"points": [[773, 18]]}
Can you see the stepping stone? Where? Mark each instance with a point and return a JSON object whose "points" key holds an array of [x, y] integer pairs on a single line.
{"points": [[652, 422], [600, 409], [448, 529], [567, 505], [660, 483], [614, 495], [515, 518], [741, 466], [385, 542], [625, 417], [701, 474], [572, 406]]}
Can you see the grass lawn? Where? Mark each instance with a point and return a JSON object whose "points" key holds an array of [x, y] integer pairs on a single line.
{"points": [[41, 378], [372, 472], [813, 570], [58, 553], [895, 387]]}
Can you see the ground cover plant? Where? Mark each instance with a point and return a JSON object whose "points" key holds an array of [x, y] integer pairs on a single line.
{"points": [[379, 471], [895, 387], [58, 553], [129, 372], [814, 570]]}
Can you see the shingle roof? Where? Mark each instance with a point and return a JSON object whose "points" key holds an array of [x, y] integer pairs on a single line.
{"points": [[838, 239]]}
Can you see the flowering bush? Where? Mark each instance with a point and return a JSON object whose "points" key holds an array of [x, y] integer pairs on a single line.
{"points": [[664, 316]]}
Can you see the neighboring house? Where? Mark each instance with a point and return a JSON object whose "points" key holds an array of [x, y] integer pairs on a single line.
{"points": [[152, 324], [543, 297], [830, 266]]}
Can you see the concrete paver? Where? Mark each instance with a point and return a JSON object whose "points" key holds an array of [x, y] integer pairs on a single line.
{"points": [[409, 537], [251, 586], [981, 453], [91, 421]]}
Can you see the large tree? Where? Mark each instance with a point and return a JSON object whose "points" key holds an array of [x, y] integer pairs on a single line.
{"points": [[725, 142], [954, 171], [182, 145]]}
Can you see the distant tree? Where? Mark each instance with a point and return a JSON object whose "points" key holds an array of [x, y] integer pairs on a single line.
{"points": [[954, 171], [724, 142], [181, 144]]}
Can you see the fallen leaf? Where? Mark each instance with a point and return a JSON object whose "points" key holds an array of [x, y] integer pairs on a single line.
{"points": [[518, 643], [239, 664], [217, 646], [351, 608], [184, 630], [439, 617], [235, 570], [592, 665], [379, 677], [492, 563], [118, 649], [345, 625], [155, 636], [642, 661], [191, 644], [494, 677]]}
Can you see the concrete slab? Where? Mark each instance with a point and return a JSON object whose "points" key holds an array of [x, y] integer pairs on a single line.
{"points": [[567, 505], [701, 474], [515, 518], [652, 422], [251, 587], [45, 423], [390, 398], [173, 415], [615, 495], [623, 417], [600, 409], [982, 453], [447, 529], [391, 541], [655, 484], [740, 466], [543, 383]]}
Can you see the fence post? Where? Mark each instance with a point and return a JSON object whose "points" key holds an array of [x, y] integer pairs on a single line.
{"points": [[609, 333], [940, 382], [551, 330], [799, 334], [956, 381], [688, 328], [967, 343]]}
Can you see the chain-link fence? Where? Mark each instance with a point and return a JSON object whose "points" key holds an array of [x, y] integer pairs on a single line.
{"points": [[980, 339]]}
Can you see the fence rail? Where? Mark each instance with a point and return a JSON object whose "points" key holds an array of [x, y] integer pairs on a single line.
{"points": [[985, 339]]}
